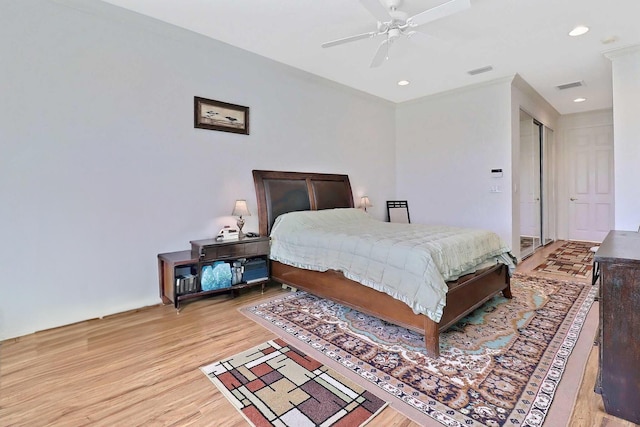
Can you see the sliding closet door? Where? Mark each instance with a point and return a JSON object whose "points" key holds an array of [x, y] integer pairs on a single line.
{"points": [[530, 173], [548, 188]]}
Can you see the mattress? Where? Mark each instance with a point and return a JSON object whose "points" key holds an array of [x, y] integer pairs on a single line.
{"points": [[410, 262]]}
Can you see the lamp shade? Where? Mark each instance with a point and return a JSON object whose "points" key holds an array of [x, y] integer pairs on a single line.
{"points": [[240, 209], [365, 202]]}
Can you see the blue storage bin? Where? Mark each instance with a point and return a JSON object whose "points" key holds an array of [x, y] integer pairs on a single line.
{"points": [[216, 276]]}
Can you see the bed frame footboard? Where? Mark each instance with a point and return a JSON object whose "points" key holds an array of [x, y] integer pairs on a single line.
{"points": [[464, 296]]}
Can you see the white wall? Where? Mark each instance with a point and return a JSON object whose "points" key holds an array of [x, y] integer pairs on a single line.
{"points": [[101, 168], [446, 146], [626, 131]]}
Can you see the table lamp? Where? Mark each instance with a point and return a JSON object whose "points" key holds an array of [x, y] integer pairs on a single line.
{"points": [[240, 209], [365, 202]]}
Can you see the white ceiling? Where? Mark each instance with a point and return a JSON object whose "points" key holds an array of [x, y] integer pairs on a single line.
{"points": [[528, 37]]}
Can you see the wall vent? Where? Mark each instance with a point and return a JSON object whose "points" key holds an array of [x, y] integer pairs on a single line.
{"points": [[480, 70], [570, 85]]}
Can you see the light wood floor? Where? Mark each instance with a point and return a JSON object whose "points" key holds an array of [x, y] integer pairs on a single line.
{"points": [[141, 368]]}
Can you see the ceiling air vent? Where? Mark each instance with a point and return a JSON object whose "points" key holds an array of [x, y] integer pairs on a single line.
{"points": [[570, 85], [480, 70]]}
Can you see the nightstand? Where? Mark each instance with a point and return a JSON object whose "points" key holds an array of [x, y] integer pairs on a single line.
{"points": [[180, 272]]}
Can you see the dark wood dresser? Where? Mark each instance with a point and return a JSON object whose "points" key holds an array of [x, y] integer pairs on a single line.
{"points": [[619, 364]]}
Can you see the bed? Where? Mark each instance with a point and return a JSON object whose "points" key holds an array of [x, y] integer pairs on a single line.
{"points": [[283, 192]]}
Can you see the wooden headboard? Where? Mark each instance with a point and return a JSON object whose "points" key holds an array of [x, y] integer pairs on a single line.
{"points": [[282, 192]]}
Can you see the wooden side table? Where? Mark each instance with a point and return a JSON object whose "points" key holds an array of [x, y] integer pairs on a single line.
{"points": [[207, 252]]}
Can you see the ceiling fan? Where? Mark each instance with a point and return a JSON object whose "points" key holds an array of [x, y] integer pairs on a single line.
{"points": [[394, 23]]}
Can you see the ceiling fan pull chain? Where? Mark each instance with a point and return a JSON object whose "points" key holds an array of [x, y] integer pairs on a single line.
{"points": [[386, 56]]}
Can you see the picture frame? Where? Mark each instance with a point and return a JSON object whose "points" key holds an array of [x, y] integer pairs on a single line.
{"points": [[222, 116]]}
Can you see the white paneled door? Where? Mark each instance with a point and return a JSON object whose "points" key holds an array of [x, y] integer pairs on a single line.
{"points": [[591, 190]]}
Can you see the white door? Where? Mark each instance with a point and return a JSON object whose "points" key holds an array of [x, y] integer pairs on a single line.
{"points": [[591, 214]]}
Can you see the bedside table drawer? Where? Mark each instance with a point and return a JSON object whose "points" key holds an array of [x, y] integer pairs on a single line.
{"points": [[210, 249], [256, 248], [213, 252]]}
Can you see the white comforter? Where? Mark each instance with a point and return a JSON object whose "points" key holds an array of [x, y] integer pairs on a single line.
{"points": [[410, 262]]}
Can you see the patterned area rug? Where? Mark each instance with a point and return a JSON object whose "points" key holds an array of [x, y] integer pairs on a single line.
{"points": [[274, 384], [499, 366], [572, 258]]}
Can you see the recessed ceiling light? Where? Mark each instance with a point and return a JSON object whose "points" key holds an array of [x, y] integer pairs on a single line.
{"points": [[579, 99], [403, 82], [578, 31]]}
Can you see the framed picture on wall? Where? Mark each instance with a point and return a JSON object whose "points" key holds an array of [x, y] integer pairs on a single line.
{"points": [[222, 116]]}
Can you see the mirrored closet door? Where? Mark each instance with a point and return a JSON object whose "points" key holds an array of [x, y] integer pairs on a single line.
{"points": [[537, 207], [530, 185]]}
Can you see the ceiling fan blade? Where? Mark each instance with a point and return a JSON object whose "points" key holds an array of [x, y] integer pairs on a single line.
{"points": [[445, 9], [377, 10], [350, 39], [422, 40], [422, 37], [381, 55]]}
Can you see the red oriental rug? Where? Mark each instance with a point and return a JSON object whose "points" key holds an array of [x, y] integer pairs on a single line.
{"points": [[500, 366]]}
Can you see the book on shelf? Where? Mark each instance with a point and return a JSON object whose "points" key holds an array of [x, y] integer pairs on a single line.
{"points": [[259, 279], [191, 283], [186, 284]]}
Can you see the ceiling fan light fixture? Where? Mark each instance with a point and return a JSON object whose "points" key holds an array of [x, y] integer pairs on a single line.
{"points": [[403, 82], [392, 23], [579, 30]]}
